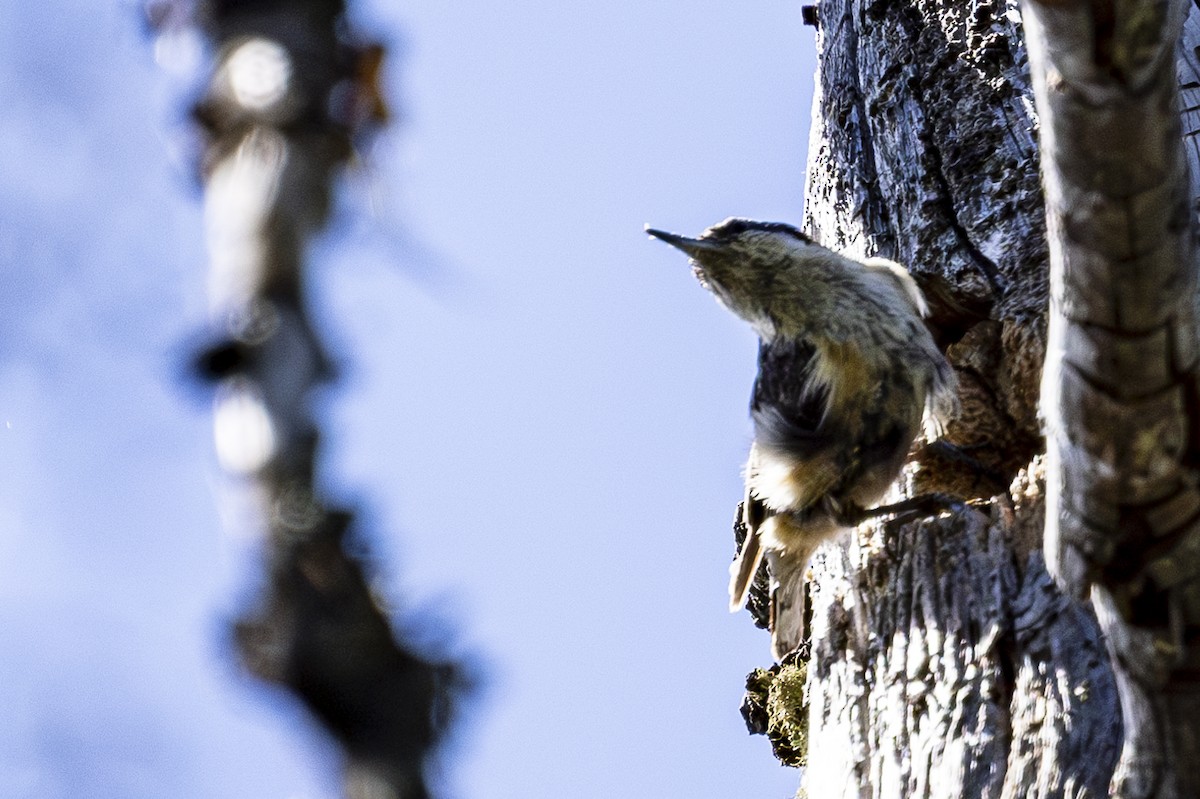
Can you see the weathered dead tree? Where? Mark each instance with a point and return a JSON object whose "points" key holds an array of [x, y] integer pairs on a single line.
{"points": [[1122, 380], [288, 92], [945, 662]]}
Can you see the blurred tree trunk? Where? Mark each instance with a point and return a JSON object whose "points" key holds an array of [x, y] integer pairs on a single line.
{"points": [[290, 90], [945, 660]]}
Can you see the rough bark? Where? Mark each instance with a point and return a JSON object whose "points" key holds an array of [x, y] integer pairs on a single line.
{"points": [[945, 661], [287, 93], [1122, 381]]}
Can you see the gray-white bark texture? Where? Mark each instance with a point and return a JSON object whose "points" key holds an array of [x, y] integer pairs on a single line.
{"points": [[945, 661], [1122, 379]]}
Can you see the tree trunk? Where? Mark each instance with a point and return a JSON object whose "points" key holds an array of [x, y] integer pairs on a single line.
{"points": [[1123, 367], [945, 661]]}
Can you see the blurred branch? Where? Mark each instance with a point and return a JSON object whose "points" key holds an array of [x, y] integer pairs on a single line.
{"points": [[288, 94]]}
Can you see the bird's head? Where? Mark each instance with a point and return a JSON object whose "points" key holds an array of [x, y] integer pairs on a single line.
{"points": [[741, 260]]}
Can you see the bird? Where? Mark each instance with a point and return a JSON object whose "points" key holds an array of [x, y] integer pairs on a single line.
{"points": [[848, 378]]}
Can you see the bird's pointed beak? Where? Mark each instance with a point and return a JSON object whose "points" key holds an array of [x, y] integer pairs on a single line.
{"points": [[693, 247]]}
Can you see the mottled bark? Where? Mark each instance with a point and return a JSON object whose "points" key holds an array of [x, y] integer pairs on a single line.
{"points": [[1122, 380], [285, 97], [945, 661]]}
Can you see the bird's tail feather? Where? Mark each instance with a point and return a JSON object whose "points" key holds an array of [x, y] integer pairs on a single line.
{"points": [[752, 513], [788, 573], [743, 569]]}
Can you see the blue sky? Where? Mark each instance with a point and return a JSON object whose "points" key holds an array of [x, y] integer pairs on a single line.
{"points": [[542, 417]]}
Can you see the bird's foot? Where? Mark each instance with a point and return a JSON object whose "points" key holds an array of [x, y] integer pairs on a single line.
{"points": [[906, 510]]}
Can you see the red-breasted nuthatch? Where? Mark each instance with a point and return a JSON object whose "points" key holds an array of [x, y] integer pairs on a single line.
{"points": [[847, 372]]}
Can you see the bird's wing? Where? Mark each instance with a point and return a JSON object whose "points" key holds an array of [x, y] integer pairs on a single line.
{"points": [[785, 388], [800, 449], [791, 463]]}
